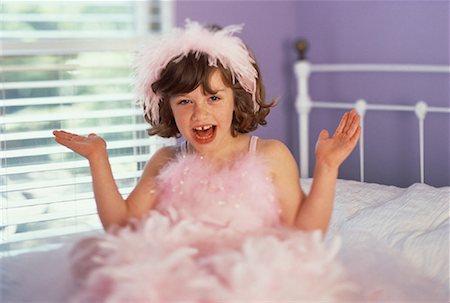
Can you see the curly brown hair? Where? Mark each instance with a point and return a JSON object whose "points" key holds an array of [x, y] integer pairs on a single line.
{"points": [[184, 75]]}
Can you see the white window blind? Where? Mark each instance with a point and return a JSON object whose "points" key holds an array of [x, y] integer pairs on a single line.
{"points": [[66, 65]]}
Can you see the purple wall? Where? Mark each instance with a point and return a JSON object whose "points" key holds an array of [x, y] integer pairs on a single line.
{"points": [[351, 32]]}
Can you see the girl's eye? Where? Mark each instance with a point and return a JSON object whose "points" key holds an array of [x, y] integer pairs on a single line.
{"points": [[214, 98], [184, 101]]}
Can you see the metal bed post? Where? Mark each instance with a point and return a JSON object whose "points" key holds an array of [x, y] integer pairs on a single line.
{"points": [[421, 110], [302, 70], [361, 107]]}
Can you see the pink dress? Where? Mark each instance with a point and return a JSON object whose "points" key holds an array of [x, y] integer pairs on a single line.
{"points": [[215, 236]]}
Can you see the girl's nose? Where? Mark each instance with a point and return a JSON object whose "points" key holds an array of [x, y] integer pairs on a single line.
{"points": [[200, 111]]}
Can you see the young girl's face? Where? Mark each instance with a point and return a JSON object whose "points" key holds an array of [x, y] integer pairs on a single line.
{"points": [[205, 119]]}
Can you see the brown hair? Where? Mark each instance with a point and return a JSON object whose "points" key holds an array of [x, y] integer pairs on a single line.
{"points": [[185, 75]]}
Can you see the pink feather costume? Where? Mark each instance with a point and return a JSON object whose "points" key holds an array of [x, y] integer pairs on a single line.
{"points": [[199, 245], [215, 236]]}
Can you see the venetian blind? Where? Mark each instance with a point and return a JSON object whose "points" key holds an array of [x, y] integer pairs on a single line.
{"points": [[66, 65]]}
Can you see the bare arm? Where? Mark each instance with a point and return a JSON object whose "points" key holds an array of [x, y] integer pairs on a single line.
{"points": [[285, 178], [315, 210], [112, 208]]}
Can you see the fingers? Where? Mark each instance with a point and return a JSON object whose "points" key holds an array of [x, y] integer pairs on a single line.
{"points": [[356, 135], [65, 142], [349, 123], [353, 125], [63, 135], [352, 115], [67, 139], [341, 126], [323, 134]]}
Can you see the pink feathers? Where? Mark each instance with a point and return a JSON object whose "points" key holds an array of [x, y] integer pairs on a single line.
{"points": [[216, 197], [213, 239], [162, 260]]}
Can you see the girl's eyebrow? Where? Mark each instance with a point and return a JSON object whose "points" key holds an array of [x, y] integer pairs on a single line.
{"points": [[185, 95], [218, 90]]}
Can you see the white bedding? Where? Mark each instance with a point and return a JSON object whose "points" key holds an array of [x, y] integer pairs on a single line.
{"points": [[412, 222]]}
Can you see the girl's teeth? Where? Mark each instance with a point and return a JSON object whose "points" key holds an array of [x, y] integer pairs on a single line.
{"points": [[203, 127]]}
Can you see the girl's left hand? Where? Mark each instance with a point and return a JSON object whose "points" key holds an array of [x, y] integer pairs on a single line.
{"points": [[333, 151]]}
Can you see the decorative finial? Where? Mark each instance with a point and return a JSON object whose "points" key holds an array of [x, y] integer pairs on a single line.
{"points": [[301, 46]]}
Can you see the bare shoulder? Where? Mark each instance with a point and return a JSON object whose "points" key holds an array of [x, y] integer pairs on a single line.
{"points": [[162, 156], [142, 198], [168, 152], [274, 149], [278, 155]]}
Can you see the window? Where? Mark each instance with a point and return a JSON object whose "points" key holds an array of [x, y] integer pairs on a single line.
{"points": [[66, 65]]}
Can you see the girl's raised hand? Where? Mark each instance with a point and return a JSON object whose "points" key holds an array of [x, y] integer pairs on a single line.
{"points": [[332, 151], [89, 147]]}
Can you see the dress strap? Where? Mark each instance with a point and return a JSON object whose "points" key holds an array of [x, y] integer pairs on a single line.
{"points": [[183, 148], [252, 146]]}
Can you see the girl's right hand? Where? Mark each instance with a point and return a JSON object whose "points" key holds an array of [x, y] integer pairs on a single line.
{"points": [[332, 151], [89, 147]]}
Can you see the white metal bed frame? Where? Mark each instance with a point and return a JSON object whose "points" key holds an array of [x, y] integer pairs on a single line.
{"points": [[304, 103]]}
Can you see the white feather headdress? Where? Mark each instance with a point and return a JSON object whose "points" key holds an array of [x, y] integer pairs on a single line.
{"points": [[220, 45]]}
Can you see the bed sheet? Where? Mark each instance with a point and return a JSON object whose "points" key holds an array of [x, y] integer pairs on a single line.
{"points": [[413, 221]]}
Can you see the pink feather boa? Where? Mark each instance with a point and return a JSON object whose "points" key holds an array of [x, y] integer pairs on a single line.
{"points": [[161, 260]]}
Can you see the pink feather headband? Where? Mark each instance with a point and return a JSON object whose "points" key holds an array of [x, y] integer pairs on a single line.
{"points": [[219, 45]]}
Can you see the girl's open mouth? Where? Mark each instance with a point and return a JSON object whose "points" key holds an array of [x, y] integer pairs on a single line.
{"points": [[205, 134]]}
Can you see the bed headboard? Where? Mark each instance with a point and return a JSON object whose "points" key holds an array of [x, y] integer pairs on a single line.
{"points": [[304, 103]]}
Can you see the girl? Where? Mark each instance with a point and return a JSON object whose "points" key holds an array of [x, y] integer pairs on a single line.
{"points": [[222, 216], [206, 86]]}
